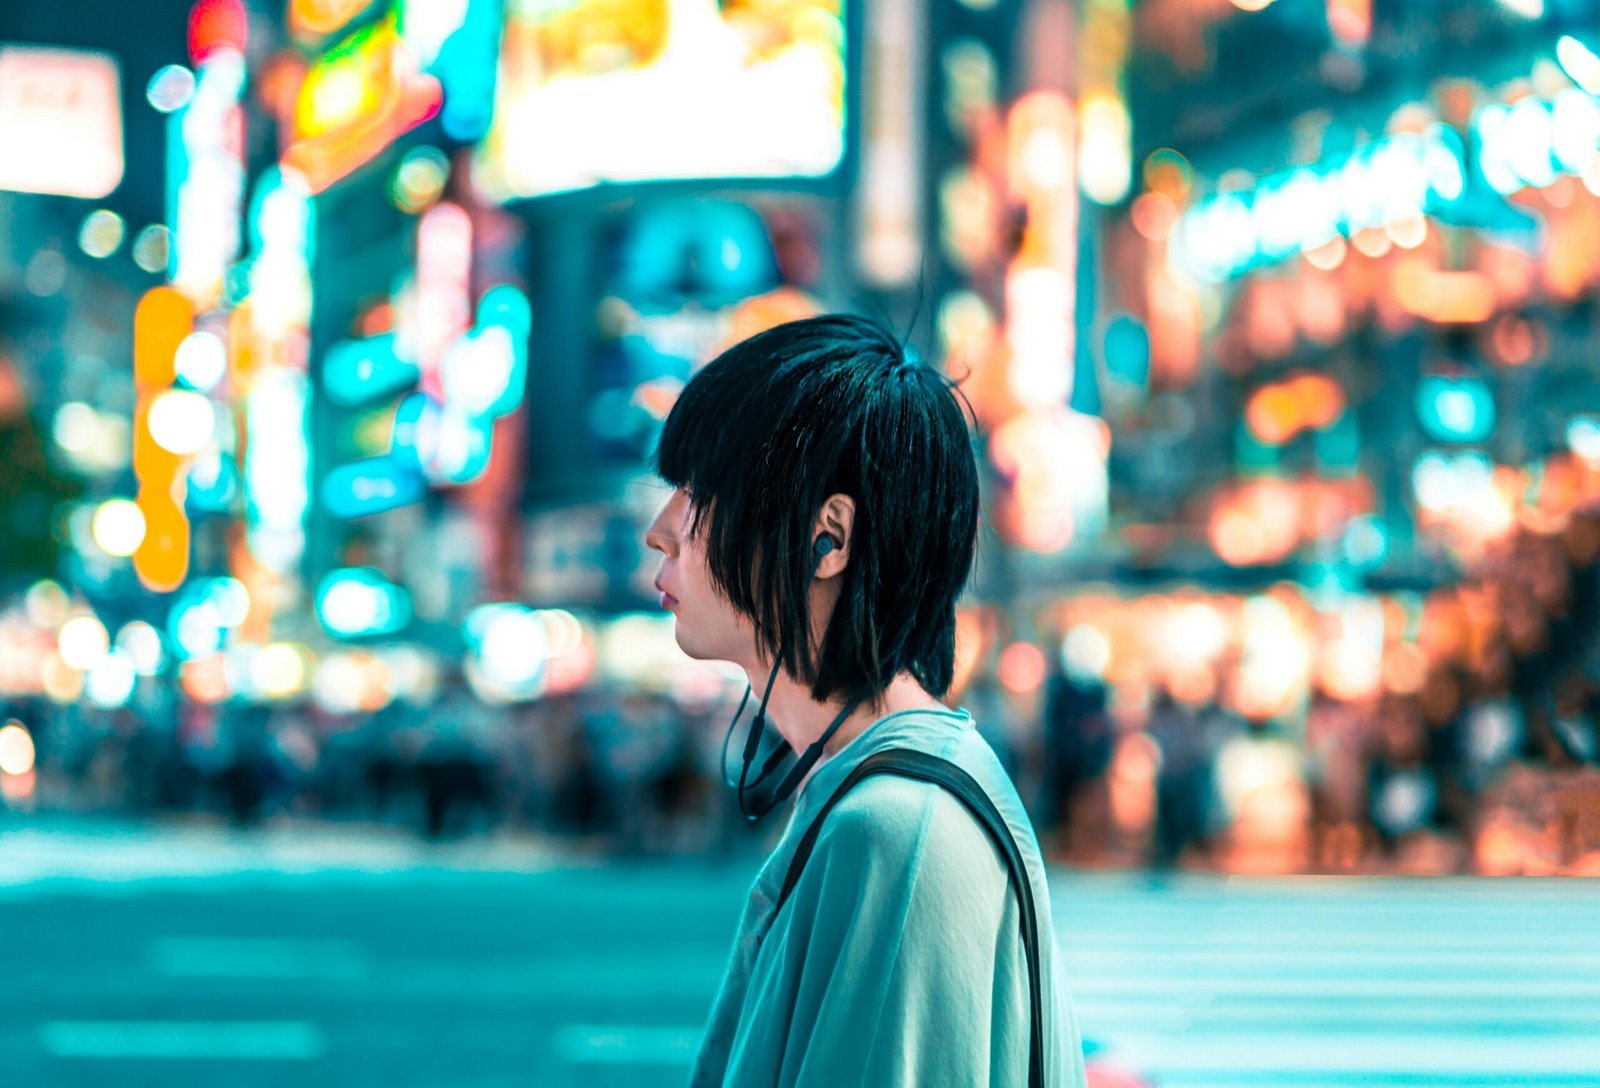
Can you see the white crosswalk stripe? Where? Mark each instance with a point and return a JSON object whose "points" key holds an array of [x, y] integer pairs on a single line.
{"points": [[1332, 984]]}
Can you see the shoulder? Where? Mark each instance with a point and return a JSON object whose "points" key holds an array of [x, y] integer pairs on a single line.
{"points": [[902, 820], [883, 814], [906, 853]]}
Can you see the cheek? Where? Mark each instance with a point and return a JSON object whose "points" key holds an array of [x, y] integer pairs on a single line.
{"points": [[700, 593], [693, 580], [692, 566]]}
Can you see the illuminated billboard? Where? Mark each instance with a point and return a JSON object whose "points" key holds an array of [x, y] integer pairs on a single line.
{"points": [[597, 91], [60, 122]]}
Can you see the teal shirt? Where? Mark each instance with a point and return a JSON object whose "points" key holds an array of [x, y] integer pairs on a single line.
{"points": [[898, 959]]}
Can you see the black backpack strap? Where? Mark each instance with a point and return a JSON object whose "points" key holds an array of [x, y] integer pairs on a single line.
{"points": [[919, 765]]}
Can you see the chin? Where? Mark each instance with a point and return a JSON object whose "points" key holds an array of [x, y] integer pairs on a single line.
{"points": [[686, 643], [695, 650]]}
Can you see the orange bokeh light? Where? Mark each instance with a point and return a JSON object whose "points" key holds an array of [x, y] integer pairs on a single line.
{"points": [[1273, 415], [1277, 413], [1153, 216], [1021, 669], [1238, 539]]}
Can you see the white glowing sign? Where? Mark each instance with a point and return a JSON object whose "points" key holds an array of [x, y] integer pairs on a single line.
{"points": [[890, 245], [207, 179], [282, 229], [442, 303], [277, 467], [701, 91], [60, 122]]}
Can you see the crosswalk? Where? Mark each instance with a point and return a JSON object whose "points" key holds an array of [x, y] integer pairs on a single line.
{"points": [[1329, 983], [1205, 982], [499, 962]]}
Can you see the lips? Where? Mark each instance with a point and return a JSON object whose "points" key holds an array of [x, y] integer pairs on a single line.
{"points": [[667, 599]]}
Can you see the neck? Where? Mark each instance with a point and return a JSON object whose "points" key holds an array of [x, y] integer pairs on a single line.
{"points": [[801, 719]]}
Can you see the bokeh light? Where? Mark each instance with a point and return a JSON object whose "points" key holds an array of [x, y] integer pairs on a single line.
{"points": [[46, 603], [1085, 652], [142, 643], [152, 248], [1021, 668], [201, 361], [170, 88], [181, 422], [75, 426], [82, 642], [101, 233], [281, 669], [111, 679], [420, 179], [118, 527], [16, 749]]}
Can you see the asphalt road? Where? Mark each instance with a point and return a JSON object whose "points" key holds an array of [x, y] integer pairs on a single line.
{"points": [[176, 958]]}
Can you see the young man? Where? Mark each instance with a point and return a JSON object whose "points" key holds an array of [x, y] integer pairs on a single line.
{"points": [[822, 524]]}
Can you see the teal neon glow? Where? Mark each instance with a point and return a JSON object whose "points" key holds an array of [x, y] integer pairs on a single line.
{"points": [[1455, 409], [357, 601], [1531, 143]]}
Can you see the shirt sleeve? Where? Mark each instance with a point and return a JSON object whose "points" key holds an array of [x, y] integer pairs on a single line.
{"points": [[911, 969]]}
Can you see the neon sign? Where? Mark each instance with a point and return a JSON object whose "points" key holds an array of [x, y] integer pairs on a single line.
{"points": [[363, 94], [1528, 143]]}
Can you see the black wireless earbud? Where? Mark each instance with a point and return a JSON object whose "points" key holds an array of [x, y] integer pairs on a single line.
{"points": [[823, 546]]}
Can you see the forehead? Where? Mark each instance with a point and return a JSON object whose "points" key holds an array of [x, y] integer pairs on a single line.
{"points": [[672, 498], [676, 506]]}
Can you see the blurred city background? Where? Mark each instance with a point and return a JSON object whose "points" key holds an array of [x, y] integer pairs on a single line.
{"points": [[335, 336]]}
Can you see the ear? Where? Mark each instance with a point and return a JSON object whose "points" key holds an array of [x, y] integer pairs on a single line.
{"points": [[837, 519]]}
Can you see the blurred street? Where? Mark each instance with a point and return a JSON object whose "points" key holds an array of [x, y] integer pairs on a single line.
{"points": [[142, 956], [366, 712]]}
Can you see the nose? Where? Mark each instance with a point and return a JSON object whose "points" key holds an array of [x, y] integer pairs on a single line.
{"points": [[662, 535], [657, 541]]}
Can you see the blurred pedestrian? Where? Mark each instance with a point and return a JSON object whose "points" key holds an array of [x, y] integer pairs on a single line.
{"points": [[1078, 737], [1183, 778], [1337, 750], [456, 764]]}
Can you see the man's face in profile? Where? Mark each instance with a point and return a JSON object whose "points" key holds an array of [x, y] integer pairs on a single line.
{"points": [[708, 627]]}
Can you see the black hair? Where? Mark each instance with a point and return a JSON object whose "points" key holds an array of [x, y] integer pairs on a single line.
{"points": [[826, 405]]}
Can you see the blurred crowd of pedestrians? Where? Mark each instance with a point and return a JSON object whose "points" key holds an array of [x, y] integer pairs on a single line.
{"points": [[621, 771], [1487, 768], [1486, 761]]}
